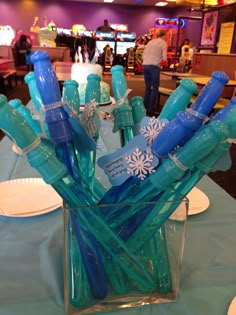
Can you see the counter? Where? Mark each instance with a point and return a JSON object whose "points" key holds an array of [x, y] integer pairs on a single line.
{"points": [[206, 63]]}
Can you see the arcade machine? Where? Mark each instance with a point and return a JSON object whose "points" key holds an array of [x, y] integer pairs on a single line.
{"points": [[130, 60], [125, 50], [76, 38], [140, 45], [88, 47], [105, 46], [108, 59]]}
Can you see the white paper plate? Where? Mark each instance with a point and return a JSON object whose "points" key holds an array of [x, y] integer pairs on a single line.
{"points": [[26, 197], [232, 307], [198, 202]]}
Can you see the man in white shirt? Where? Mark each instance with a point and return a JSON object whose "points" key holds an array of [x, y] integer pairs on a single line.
{"points": [[154, 53]]}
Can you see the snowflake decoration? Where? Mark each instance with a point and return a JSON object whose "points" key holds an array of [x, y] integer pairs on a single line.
{"points": [[152, 129], [140, 164]]}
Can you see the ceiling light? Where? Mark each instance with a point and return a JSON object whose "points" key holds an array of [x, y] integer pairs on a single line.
{"points": [[108, 0], [161, 4]]}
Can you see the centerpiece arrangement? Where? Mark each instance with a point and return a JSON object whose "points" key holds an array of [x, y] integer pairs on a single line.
{"points": [[121, 247]]}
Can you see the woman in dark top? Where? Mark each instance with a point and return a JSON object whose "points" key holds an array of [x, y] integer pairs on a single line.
{"points": [[23, 48]]}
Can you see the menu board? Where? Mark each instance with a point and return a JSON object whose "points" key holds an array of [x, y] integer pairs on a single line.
{"points": [[226, 37]]}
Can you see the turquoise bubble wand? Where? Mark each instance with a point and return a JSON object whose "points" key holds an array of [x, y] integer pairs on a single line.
{"points": [[84, 144], [42, 157], [37, 102], [56, 117], [212, 143], [175, 133], [123, 118]]}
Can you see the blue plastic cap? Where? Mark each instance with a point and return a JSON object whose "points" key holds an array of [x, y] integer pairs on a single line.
{"points": [[40, 55], [220, 76], [45, 77]]}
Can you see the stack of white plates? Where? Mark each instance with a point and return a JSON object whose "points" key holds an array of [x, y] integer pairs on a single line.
{"points": [[27, 197]]}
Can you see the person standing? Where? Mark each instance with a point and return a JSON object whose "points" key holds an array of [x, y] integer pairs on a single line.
{"points": [[154, 53], [105, 27], [23, 50]]}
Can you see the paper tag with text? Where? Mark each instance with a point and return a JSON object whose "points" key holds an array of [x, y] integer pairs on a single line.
{"points": [[134, 159]]}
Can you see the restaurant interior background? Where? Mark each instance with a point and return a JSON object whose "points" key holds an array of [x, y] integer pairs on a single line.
{"points": [[31, 255], [139, 19]]}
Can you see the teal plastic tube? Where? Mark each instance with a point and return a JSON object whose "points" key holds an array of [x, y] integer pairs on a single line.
{"points": [[37, 101], [222, 132], [122, 112], [128, 116], [138, 113], [26, 113], [33, 91], [41, 156], [70, 94], [186, 123], [56, 117], [171, 170], [84, 145], [92, 93], [179, 99]]}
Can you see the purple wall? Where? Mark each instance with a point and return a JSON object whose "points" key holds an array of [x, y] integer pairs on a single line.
{"points": [[193, 28], [20, 15]]}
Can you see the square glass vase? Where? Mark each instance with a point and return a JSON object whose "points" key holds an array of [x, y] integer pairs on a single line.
{"points": [[122, 255]]}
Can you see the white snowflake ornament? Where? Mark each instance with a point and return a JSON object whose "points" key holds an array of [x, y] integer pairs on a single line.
{"points": [[153, 128], [140, 164]]}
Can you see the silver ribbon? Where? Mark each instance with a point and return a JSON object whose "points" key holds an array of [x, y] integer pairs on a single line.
{"points": [[177, 162], [122, 99]]}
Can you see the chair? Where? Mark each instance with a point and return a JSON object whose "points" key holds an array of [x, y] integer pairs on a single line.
{"points": [[21, 68], [7, 73]]}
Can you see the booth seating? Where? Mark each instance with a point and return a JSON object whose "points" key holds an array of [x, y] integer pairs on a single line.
{"points": [[56, 53], [7, 71], [16, 71]]}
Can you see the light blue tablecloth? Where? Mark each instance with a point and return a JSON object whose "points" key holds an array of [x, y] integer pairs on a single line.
{"points": [[31, 256]]}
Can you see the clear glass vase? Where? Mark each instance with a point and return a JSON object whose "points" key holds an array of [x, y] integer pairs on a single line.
{"points": [[122, 255]]}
